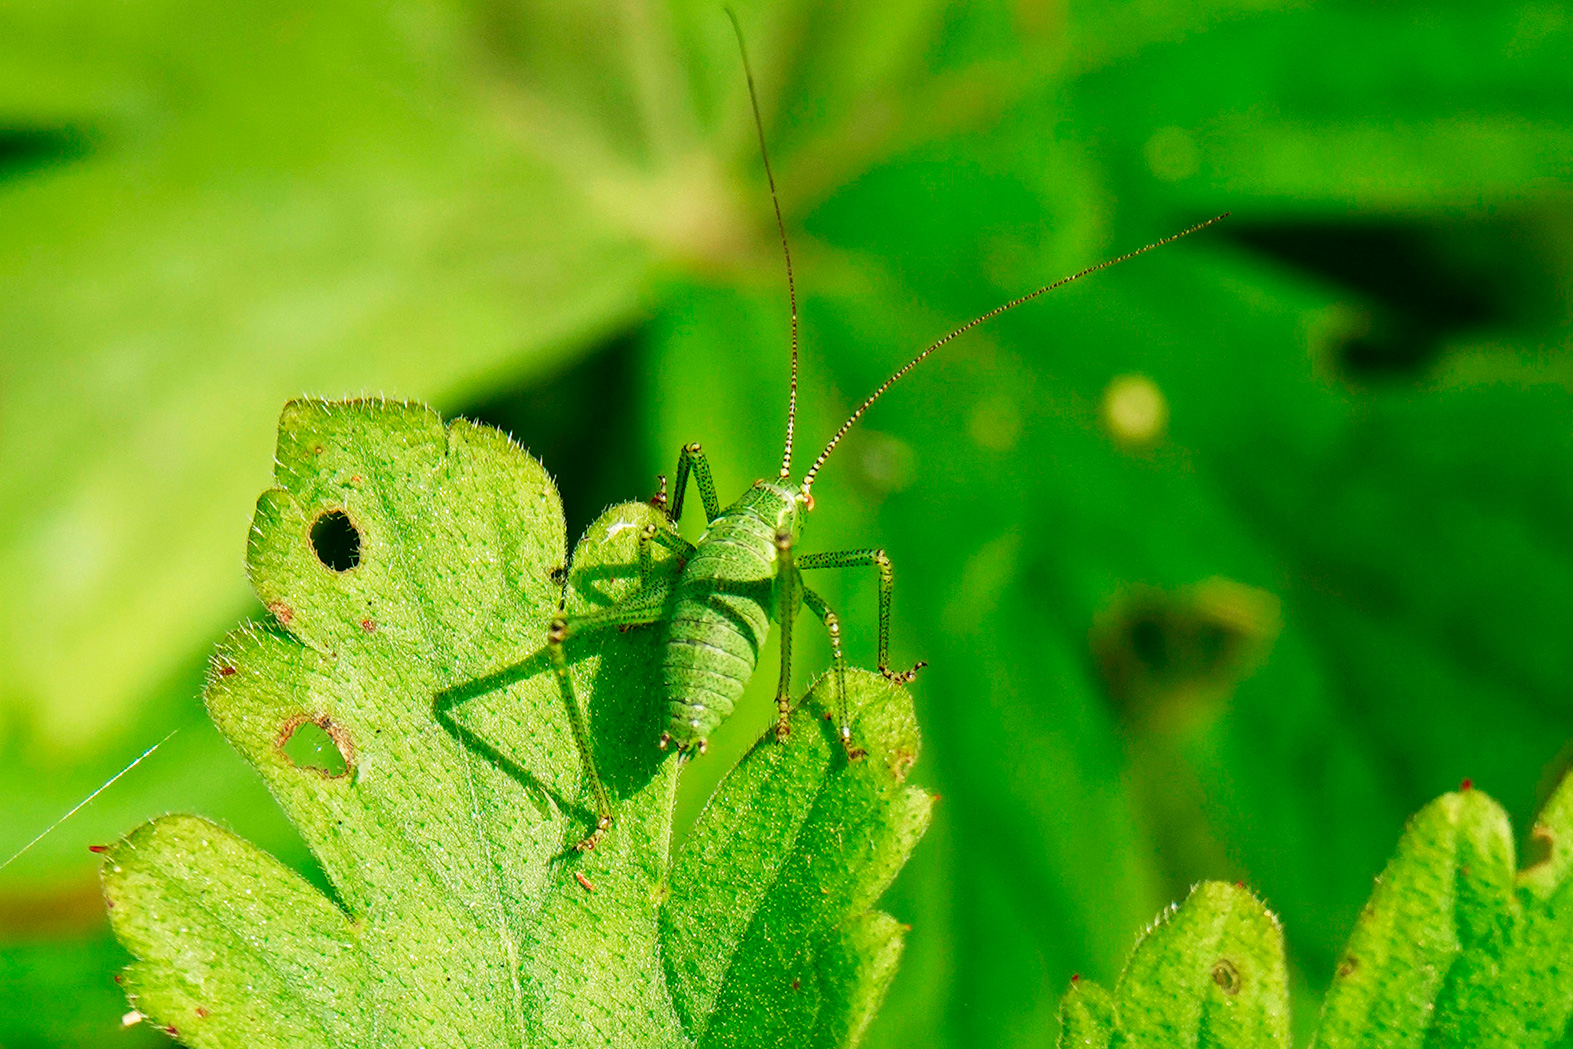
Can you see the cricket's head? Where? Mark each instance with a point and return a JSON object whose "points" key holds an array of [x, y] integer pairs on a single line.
{"points": [[780, 503]]}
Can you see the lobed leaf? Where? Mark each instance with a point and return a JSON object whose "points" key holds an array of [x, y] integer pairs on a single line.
{"points": [[399, 709], [1209, 973], [1457, 948], [770, 917]]}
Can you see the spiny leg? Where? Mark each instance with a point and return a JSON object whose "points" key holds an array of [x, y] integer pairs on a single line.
{"points": [[787, 582], [833, 628], [887, 586], [653, 533], [646, 606], [692, 457]]}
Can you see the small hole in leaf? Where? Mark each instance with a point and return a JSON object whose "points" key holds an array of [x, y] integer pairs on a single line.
{"points": [[313, 745], [336, 541], [1225, 975]]}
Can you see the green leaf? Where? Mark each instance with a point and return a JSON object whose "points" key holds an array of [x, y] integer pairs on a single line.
{"points": [[1209, 974], [1087, 1016], [448, 247], [1456, 948], [436, 780], [776, 880]]}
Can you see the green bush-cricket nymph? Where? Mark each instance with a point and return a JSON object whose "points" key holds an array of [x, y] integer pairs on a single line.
{"points": [[745, 571]]}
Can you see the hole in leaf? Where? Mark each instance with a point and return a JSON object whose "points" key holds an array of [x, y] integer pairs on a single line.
{"points": [[1225, 975], [336, 541], [315, 745]]}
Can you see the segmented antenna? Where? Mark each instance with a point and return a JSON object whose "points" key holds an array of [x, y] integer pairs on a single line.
{"points": [[808, 480], [759, 127]]}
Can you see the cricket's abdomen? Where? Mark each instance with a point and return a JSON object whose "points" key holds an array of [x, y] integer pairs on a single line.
{"points": [[720, 619]]}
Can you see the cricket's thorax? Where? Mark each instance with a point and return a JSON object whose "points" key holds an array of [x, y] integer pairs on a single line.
{"points": [[723, 606]]}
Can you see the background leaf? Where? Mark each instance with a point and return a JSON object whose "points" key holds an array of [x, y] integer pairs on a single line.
{"points": [[1457, 947], [1364, 370]]}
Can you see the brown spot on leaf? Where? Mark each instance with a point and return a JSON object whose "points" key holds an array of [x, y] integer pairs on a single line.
{"points": [[796, 984], [1348, 965], [1226, 976], [201, 1013], [337, 733], [226, 670], [97, 848], [282, 612], [901, 762], [369, 625], [584, 882]]}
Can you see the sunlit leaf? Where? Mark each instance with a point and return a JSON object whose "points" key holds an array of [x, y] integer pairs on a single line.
{"points": [[436, 780]]}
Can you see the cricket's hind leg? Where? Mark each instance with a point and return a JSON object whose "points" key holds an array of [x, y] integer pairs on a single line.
{"points": [[887, 587], [645, 606], [691, 458]]}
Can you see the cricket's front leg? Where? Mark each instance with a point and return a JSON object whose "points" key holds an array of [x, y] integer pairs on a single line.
{"points": [[651, 535]]}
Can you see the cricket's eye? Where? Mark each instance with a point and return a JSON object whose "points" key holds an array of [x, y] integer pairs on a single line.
{"points": [[336, 541]]}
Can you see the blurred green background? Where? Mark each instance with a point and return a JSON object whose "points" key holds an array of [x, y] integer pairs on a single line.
{"points": [[1224, 560]]}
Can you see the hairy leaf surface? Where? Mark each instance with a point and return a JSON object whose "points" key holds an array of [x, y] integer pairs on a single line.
{"points": [[439, 788], [1457, 949]]}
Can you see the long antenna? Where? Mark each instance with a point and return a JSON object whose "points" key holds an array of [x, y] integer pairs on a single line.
{"points": [[759, 128], [808, 480]]}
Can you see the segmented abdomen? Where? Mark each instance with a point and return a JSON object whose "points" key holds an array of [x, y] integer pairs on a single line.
{"points": [[720, 619]]}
